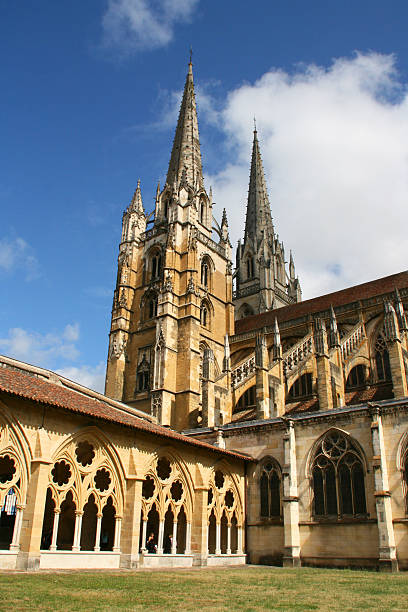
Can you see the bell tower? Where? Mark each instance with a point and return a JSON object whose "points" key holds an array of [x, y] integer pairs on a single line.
{"points": [[176, 308]]}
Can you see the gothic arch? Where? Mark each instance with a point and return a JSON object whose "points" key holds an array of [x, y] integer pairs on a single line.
{"points": [[355, 361], [162, 495], [268, 476], [317, 442], [99, 473], [337, 469], [219, 503], [15, 454], [402, 466]]}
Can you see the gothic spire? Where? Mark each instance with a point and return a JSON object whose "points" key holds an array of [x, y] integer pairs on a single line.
{"points": [[186, 155], [258, 213], [136, 204]]}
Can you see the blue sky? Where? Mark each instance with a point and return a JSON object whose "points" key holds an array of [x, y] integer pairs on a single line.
{"points": [[90, 95]]}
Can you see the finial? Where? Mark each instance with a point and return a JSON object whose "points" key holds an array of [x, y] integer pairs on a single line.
{"points": [[254, 123], [138, 184], [191, 55]]}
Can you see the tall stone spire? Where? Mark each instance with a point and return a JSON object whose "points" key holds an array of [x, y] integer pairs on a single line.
{"points": [[262, 282], [258, 213], [186, 155]]}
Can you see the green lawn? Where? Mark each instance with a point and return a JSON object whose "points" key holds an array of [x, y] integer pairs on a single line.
{"points": [[250, 588]]}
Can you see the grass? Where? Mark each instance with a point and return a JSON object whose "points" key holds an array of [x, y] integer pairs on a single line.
{"points": [[244, 589]]}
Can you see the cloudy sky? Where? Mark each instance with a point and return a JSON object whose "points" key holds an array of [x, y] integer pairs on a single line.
{"points": [[90, 96]]}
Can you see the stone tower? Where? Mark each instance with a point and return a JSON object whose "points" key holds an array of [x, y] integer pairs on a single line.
{"points": [[172, 310], [262, 282]]}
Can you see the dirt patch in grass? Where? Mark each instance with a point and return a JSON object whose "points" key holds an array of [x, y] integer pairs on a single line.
{"points": [[246, 589]]}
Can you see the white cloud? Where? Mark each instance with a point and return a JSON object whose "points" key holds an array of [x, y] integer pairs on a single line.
{"points": [[41, 349], [91, 377], [132, 25], [17, 254], [335, 149]]}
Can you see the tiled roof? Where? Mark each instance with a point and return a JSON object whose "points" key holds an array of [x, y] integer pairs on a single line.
{"points": [[22, 384], [373, 393], [323, 302]]}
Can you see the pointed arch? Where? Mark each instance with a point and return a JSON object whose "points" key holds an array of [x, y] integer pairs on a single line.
{"points": [[336, 468]]}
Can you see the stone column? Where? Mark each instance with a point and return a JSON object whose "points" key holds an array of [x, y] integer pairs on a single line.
{"points": [[188, 539], [76, 546], [240, 550], [144, 530], [15, 543], [199, 528], [31, 530], [118, 529], [291, 557], [387, 549], [262, 380], [160, 541], [97, 546], [53, 546], [229, 539], [218, 539], [132, 512], [174, 540]]}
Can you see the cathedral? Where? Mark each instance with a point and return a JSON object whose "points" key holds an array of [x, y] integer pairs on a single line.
{"points": [[239, 424]]}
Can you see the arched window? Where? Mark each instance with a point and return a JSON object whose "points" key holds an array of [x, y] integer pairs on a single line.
{"points": [[338, 478], [156, 265], [250, 267], [302, 387], [166, 209], [356, 377], [152, 307], [202, 212], [270, 489], [405, 479], [205, 271], [204, 315], [382, 359]]}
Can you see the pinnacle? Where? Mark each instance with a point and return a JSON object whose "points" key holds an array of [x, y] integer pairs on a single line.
{"points": [[137, 204], [186, 155]]}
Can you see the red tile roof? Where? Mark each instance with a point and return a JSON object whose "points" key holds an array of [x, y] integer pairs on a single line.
{"points": [[373, 393], [323, 302], [21, 384]]}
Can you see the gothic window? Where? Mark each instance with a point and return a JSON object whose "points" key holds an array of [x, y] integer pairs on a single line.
{"points": [[204, 273], [382, 359], [270, 489], [155, 266], [338, 478], [202, 212], [151, 310], [302, 387], [405, 479], [204, 315], [166, 209], [143, 370], [250, 267], [356, 377]]}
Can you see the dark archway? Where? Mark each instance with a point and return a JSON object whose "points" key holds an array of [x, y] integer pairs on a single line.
{"points": [[66, 525], [108, 526], [48, 521], [181, 532], [212, 533], [89, 520]]}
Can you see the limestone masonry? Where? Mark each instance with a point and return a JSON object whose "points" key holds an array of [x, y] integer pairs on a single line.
{"points": [[239, 424]]}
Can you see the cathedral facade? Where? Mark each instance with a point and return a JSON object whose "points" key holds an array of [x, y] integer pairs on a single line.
{"points": [[239, 423]]}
